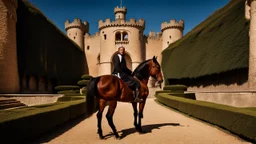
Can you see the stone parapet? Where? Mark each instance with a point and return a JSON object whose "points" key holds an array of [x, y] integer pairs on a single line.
{"points": [[173, 24], [77, 23], [120, 9], [118, 23]]}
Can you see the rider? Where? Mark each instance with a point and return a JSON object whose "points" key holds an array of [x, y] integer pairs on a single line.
{"points": [[121, 70]]}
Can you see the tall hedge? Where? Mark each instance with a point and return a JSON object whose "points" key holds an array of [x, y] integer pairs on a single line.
{"points": [[43, 50]]}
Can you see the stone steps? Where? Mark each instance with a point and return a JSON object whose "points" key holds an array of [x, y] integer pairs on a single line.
{"points": [[10, 103]]}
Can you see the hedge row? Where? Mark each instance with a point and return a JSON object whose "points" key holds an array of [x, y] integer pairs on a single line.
{"points": [[20, 125], [239, 121]]}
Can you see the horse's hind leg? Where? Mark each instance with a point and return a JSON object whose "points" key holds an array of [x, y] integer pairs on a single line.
{"points": [[135, 114], [102, 104], [109, 116]]}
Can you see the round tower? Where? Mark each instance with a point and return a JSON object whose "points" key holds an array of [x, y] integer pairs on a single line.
{"points": [[120, 32], [9, 82], [120, 13], [171, 32], [251, 5], [76, 30]]}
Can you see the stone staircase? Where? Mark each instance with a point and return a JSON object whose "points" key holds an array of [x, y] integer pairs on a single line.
{"points": [[10, 103]]}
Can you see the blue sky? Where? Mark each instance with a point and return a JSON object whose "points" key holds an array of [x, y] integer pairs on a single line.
{"points": [[154, 12]]}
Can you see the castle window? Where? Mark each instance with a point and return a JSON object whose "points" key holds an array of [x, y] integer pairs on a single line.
{"points": [[118, 36], [74, 37], [105, 36], [168, 42], [88, 47], [76, 33], [125, 36], [170, 37]]}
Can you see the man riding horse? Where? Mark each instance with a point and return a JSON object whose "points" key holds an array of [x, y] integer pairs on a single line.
{"points": [[121, 70]]}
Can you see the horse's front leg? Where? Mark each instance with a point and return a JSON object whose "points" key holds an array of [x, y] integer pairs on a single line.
{"points": [[135, 114], [141, 108], [102, 104]]}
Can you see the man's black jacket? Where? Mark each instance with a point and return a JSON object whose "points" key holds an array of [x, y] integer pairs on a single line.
{"points": [[120, 67]]}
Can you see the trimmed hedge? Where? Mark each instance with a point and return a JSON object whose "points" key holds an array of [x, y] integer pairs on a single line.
{"points": [[20, 125], [218, 44], [240, 121], [175, 87], [83, 82], [86, 77], [69, 92], [67, 87]]}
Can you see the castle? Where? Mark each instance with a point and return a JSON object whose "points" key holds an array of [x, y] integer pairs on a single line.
{"points": [[100, 48]]}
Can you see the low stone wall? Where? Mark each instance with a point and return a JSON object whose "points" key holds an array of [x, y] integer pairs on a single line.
{"points": [[236, 99], [33, 99]]}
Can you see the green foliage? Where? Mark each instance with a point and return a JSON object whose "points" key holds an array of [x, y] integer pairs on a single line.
{"points": [[83, 82], [86, 77], [175, 87], [43, 50], [218, 44], [66, 87], [240, 121], [68, 91], [19, 125]]}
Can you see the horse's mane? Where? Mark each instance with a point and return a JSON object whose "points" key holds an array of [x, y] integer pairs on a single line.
{"points": [[140, 71]]}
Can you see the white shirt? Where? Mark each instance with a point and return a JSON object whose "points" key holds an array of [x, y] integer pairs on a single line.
{"points": [[120, 57]]}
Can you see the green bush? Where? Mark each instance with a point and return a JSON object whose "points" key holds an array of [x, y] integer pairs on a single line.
{"points": [[70, 98], [67, 87], [175, 87], [83, 82], [86, 77], [68, 91]]}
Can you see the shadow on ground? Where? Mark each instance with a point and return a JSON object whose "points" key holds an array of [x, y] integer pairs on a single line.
{"points": [[57, 131], [145, 128]]}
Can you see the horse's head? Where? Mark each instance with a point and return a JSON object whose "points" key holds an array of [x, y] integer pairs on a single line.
{"points": [[155, 70]]}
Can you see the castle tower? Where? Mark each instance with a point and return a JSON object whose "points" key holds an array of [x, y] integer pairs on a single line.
{"points": [[120, 13], [120, 32], [171, 32], [76, 31], [252, 36], [8, 50]]}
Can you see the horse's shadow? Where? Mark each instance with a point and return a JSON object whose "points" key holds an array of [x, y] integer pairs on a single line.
{"points": [[145, 128]]}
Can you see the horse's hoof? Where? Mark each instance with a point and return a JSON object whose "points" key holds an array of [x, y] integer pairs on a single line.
{"points": [[102, 138], [117, 137]]}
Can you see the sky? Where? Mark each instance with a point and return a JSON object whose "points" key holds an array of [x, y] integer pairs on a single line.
{"points": [[154, 12]]}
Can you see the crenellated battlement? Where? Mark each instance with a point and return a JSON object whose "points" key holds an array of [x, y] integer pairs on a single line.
{"points": [[88, 36], [173, 24], [116, 23], [154, 35], [120, 9], [77, 23]]}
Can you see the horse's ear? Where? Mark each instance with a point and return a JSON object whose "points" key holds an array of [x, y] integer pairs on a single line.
{"points": [[154, 59]]}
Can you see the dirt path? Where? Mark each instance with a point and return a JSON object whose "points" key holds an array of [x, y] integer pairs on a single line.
{"points": [[162, 126]]}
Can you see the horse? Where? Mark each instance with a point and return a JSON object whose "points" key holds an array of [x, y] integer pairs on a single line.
{"points": [[110, 88]]}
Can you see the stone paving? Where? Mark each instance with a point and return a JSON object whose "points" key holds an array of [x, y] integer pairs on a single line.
{"points": [[162, 126]]}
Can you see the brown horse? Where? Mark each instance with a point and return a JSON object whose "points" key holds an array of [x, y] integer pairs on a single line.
{"points": [[109, 88]]}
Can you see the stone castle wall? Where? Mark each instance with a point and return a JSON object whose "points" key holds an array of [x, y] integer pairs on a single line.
{"points": [[9, 82], [92, 52]]}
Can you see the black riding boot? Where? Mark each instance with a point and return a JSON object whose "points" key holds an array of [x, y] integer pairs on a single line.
{"points": [[136, 96]]}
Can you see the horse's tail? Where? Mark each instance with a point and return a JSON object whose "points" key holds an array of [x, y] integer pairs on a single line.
{"points": [[90, 99]]}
